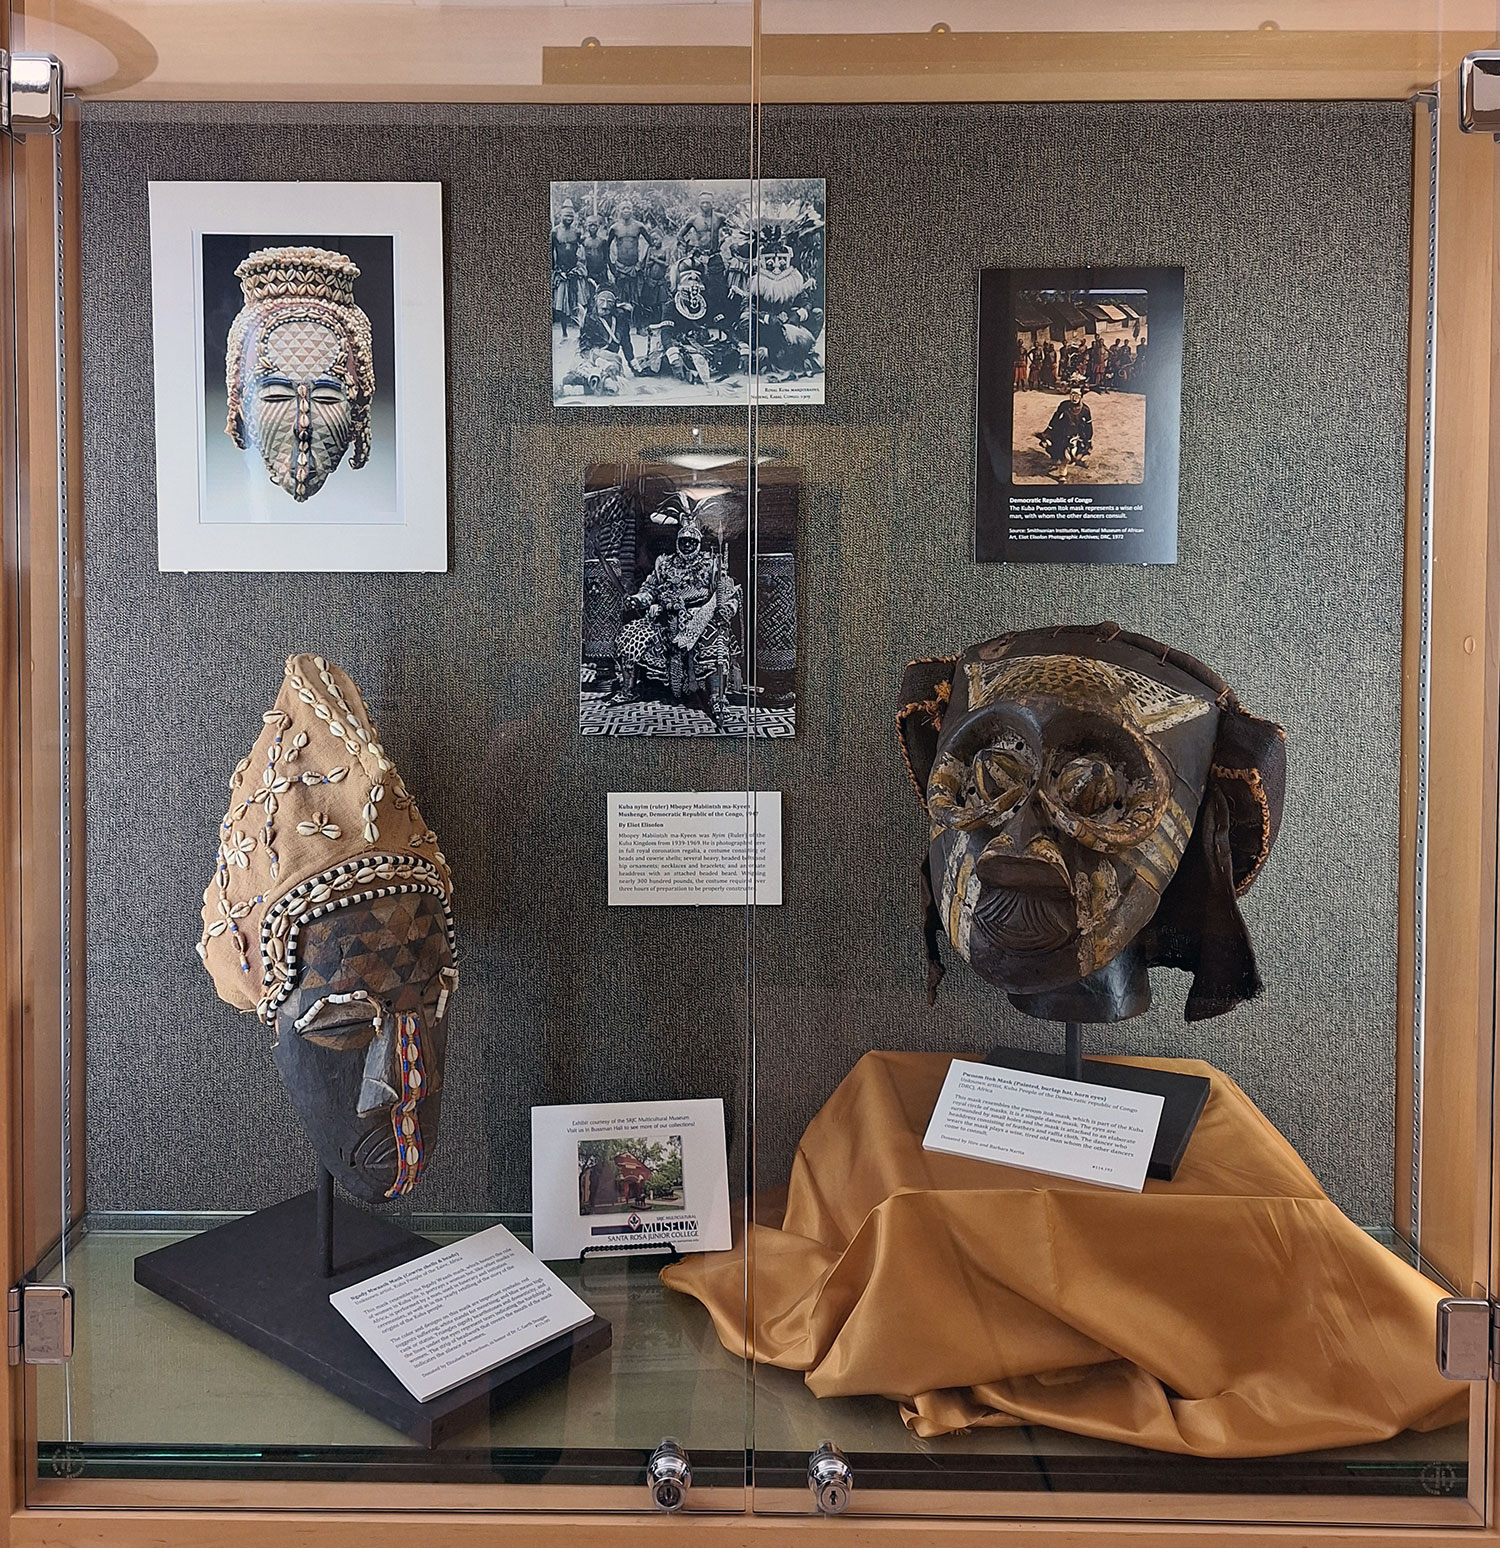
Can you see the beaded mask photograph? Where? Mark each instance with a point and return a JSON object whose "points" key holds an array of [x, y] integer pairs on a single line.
{"points": [[329, 918], [299, 373], [298, 427], [299, 370]]}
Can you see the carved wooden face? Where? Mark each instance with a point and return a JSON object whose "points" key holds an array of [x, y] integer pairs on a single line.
{"points": [[362, 1039], [1062, 798]]}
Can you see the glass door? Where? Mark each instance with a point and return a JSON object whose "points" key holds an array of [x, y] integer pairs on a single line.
{"points": [[1135, 824], [362, 387]]}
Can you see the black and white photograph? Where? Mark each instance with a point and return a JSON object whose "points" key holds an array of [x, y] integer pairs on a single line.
{"points": [[630, 1174], [674, 293], [679, 637], [1080, 397], [304, 430]]}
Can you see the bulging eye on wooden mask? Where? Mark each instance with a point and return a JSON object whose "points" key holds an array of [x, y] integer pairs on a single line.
{"points": [[329, 917], [1090, 790]]}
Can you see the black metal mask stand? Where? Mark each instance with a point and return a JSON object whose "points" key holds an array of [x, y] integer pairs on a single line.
{"points": [[1118, 991], [265, 1279]]}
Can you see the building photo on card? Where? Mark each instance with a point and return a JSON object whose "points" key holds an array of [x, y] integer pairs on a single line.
{"points": [[622, 1176]]}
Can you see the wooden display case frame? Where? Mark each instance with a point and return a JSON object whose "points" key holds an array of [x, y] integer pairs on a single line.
{"points": [[171, 53]]}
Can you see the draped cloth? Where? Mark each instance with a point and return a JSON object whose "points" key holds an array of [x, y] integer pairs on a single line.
{"points": [[1232, 1312]]}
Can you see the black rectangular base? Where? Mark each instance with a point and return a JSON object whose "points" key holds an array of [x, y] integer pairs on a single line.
{"points": [[258, 1279], [1182, 1097]]}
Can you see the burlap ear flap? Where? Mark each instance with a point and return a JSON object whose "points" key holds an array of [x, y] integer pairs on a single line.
{"points": [[1198, 927], [925, 689], [1249, 768]]}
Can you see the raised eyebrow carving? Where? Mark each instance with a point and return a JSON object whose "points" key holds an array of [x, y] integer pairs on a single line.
{"points": [[321, 1004]]}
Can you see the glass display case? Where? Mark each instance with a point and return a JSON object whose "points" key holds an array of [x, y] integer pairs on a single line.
{"points": [[856, 879]]}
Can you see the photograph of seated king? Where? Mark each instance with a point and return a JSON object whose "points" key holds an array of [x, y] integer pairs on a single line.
{"points": [[679, 638]]}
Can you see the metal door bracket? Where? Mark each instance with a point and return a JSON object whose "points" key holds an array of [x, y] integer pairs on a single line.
{"points": [[1479, 92], [31, 91], [39, 1324], [1468, 1338]]}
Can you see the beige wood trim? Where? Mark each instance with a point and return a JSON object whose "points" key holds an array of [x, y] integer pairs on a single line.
{"points": [[1063, 67], [31, 658], [40, 892], [1035, 1507], [153, 1529], [40, 832], [235, 51], [1461, 786]]}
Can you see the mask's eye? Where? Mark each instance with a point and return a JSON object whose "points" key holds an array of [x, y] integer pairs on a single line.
{"points": [[342, 1039], [1092, 787], [999, 777], [276, 392], [986, 788], [1108, 797], [327, 393], [340, 1026]]}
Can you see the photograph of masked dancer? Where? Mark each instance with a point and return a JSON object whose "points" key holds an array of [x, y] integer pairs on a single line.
{"points": [[1079, 387]]}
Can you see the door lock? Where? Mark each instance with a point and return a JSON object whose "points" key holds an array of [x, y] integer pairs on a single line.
{"points": [[669, 1475], [830, 1478]]}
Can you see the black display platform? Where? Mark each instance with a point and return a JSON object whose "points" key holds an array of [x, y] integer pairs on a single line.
{"points": [[260, 1279], [1182, 1096]]}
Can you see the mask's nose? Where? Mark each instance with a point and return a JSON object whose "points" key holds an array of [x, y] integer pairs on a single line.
{"points": [[1024, 824], [302, 462], [382, 1072]]}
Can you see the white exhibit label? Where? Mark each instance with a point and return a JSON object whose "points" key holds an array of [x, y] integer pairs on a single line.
{"points": [[612, 1176], [680, 847], [455, 1313], [1065, 1128]]}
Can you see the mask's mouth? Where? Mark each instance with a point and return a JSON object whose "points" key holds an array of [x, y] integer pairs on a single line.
{"points": [[376, 1152], [1025, 906]]}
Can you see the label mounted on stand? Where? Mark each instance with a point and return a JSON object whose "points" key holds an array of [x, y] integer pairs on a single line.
{"points": [[1064, 1128]]}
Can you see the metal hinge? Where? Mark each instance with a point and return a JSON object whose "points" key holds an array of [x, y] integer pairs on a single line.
{"points": [[31, 91], [1468, 1338], [39, 1324]]}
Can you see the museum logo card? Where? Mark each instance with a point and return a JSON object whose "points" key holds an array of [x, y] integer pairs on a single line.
{"points": [[614, 1175], [1065, 1128], [1080, 403], [451, 1315]]}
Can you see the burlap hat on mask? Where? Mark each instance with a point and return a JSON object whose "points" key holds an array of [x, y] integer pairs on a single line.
{"points": [[318, 819]]}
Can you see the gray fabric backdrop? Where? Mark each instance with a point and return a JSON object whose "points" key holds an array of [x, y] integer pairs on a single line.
{"points": [[1292, 222]]}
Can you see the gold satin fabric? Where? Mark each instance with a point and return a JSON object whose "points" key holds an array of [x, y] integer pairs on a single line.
{"points": [[1233, 1312]]}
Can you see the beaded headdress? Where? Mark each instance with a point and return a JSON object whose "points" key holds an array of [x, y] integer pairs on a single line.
{"points": [[319, 819]]}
